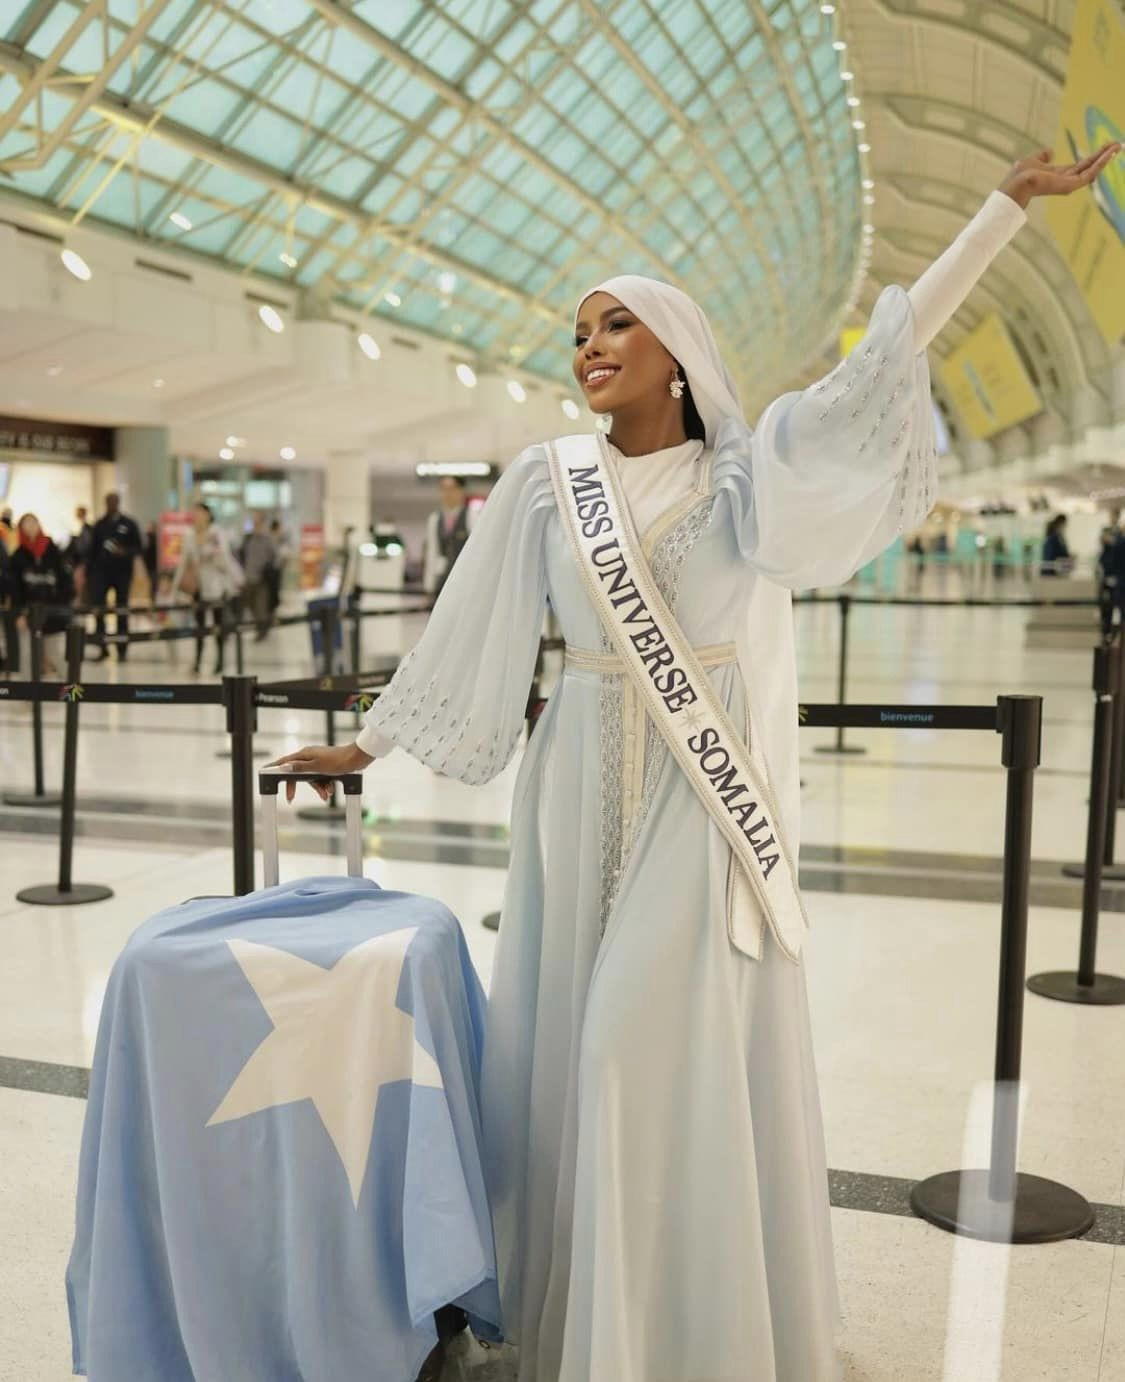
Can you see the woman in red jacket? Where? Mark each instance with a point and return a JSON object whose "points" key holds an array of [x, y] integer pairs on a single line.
{"points": [[40, 581]]}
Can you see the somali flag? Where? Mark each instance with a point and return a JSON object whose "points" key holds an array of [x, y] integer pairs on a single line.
{"points": [[280, 1173]]}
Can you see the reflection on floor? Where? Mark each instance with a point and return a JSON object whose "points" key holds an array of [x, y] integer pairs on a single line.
{"points": [[901, 865]]}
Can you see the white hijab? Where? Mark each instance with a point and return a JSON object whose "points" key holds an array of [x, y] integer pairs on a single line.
{"points": [[682, 328]]}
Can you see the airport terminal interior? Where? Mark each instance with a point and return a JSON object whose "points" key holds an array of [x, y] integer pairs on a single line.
{"points": [[313, 264]]}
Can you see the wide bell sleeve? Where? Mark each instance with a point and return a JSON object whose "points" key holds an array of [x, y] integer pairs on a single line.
{"points": [[832, 474], [458, 700]]}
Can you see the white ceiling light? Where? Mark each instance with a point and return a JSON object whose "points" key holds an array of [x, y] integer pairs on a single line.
{"points": [[517, 391], [288, 259], [158, 383], [570, 408], [869, 230], [236, 441], [393, 299], [828, 9], [54, 370], [839, 45], [467, 376], [869, 201], [76, 265], [368, 344], [226, 454], [859, 124], [853, 101], [868, 184], [865, 148], [288, 454], [847, 76], [447, 282], [272, 318], [179, 219]]}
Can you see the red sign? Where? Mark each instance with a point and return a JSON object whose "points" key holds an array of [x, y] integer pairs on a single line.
{"points": [[173, 526], [311, 555]]}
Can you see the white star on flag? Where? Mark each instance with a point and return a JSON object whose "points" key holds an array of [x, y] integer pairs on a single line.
{"points": [[337, 1038]]}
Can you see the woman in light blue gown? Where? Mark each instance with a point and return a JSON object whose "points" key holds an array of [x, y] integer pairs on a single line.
{"points": [[651, 1120]]}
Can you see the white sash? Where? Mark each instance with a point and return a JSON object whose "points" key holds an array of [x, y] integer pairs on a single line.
{"points": [[676, 690]]}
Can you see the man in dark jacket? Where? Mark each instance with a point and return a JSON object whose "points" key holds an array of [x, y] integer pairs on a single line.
{"points": [[117, 542]]}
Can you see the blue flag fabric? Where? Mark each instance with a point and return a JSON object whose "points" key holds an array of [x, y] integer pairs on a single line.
{"points": [[280, 1174]]}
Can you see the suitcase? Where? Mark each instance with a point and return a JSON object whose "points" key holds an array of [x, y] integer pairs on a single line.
{"points": [[450, 1320]]}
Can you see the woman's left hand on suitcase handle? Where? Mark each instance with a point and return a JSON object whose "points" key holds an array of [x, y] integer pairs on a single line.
{"points": [[332, 761]]}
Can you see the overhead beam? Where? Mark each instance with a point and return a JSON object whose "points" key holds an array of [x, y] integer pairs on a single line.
{"points": [[135, 115], [403, 60]]}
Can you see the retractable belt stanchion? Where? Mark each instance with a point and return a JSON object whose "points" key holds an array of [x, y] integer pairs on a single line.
{"points": [[1119, 721], [11, 642], [239, 649], [256, 750], [1085, 985], [1109, 685], [845, 603], [38, 796], [66, 893], [242, 718], [331, 810], [356, 635], [1000, 1203]]}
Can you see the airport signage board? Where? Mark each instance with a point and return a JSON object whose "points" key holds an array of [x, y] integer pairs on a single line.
{"points": [[1089, 227]]}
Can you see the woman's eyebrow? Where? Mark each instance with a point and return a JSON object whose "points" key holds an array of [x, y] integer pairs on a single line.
{"points": [[578, 326]]}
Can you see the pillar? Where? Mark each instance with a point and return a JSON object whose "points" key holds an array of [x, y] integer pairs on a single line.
{"points": [[143, 471], [347, 498]]}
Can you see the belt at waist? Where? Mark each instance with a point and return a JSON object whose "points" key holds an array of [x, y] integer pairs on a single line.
{"points": [[609, 664]]}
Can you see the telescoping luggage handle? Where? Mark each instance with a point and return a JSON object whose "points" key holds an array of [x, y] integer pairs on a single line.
{"points": [[270, 779]]}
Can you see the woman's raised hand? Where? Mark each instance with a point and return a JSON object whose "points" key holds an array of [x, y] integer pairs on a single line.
{"points": [[342, 758], [1037, 176]]}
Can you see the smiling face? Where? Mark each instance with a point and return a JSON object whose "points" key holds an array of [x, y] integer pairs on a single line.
{"points": [[618, 362]]}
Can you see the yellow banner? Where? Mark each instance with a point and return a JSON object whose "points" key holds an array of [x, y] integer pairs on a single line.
{"points": [[987, 381], [1089, 226], [850, 336]]}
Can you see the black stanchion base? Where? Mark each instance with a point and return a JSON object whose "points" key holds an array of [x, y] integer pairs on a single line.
{"points": [[51, 895], [326, 813], [31, 799], [1107, 990], [491, 922], [1044, 1211], [845, 749], [1111, 873]]}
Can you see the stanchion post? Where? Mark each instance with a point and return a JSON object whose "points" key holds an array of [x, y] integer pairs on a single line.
{"points": [[36, 619], [1020, 720], [329, 617], [67, 893], [1117, 727], [1120, 753], [11, 642], [356, 634], [1001, 1204], [238, 695], [844, 601], [239, 650], [1086, 985]]}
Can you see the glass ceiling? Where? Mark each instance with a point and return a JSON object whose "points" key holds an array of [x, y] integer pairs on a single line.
{"points": [[468, 167]]}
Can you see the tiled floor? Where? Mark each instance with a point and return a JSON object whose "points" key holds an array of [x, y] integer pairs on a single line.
{"points": [[902, 988]]}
